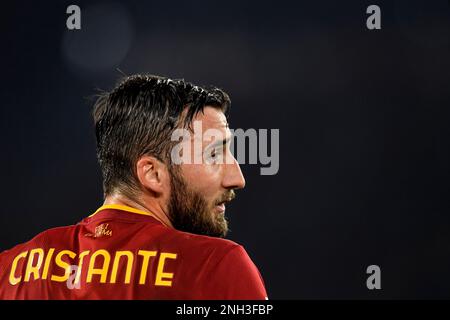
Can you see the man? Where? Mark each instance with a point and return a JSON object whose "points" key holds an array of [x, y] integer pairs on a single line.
{"points": [[158, 233]]}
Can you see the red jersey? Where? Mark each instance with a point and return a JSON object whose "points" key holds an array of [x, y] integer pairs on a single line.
{"points": [[124, 253]]}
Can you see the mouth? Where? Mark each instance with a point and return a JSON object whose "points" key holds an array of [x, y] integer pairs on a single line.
{"points": [[220, 206]]}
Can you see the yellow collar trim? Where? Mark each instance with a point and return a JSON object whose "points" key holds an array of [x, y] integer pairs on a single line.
{"points": [[125, 208]]}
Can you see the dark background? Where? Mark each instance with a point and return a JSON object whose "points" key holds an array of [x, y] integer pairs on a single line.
{"points": [[363, 118]]}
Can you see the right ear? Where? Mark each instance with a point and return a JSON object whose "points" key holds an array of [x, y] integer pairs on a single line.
{"points": [[153, 174]]}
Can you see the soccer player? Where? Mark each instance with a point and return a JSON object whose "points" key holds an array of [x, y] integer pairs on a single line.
{"points": [[159, 233]]}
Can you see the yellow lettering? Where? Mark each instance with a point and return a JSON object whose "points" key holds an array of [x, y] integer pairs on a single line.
{"points": [[160, 274], [47, 263], [80, 265], [104, 270], [12, 278], [63, 265], [120, 254], [146, 256], [34, 269]]}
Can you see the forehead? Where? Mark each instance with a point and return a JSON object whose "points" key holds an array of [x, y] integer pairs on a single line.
{"points": [[212, 118]]}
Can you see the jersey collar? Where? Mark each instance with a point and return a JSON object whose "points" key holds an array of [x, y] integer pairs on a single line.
{"points": [[127, 209]]}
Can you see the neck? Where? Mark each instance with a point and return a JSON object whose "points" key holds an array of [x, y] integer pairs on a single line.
{"points": [[153, 209]]}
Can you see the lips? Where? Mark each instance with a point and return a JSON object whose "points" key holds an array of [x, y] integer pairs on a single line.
{"points": [[221, 207]]}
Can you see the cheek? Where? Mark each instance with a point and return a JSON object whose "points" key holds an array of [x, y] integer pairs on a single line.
{"points": [[203, 179]]}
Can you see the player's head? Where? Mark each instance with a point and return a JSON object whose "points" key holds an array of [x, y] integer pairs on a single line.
{"points": [[135, 125]]}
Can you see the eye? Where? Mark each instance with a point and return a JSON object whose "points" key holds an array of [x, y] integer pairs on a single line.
{"points": [[212, 156]]}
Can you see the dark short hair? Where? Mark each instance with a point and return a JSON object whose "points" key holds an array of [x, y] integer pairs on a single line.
{"points": [[138, 118]]}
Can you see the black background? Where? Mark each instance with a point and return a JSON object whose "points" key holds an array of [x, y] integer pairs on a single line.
{"points": [[363, 118]]}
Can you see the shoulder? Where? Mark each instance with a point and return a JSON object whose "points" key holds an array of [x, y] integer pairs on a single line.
{"points": [[226, 269], [38, 241], [41, 239]]}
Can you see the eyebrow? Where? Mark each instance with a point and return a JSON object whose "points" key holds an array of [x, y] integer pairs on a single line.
{"points": [[219, 142]]}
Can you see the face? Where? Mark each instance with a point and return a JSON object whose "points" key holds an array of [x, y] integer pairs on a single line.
{"points": [[201, 188]]}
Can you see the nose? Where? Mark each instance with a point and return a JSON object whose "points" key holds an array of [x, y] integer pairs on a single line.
{"points": [[233, 177]]}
